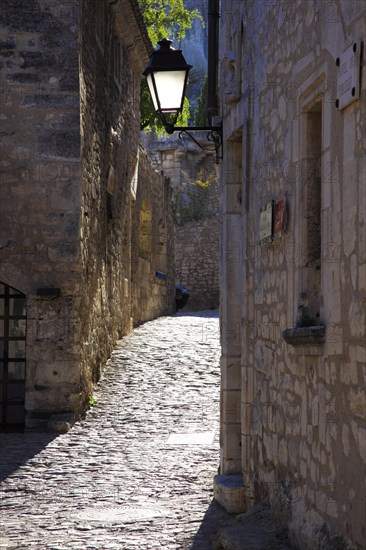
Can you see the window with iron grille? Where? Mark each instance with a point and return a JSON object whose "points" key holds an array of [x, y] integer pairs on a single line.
{"points": [[13, 325]]}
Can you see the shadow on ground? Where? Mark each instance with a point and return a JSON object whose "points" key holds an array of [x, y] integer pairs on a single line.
{"points": [[17, 448], [215, 518], [257, 529]]}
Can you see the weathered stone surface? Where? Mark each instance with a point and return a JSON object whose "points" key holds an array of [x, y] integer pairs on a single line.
{"points": [[197, 262], [229, 491], [301, 401]]}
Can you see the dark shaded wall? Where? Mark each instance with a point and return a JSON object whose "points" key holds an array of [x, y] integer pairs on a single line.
{"points": [[40, 192]]}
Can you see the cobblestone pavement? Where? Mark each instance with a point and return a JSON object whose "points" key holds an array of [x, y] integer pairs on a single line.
{"points": [[128, 475]]}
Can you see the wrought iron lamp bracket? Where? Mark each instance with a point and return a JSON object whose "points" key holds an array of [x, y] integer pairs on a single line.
{"points": [[214, 135]]}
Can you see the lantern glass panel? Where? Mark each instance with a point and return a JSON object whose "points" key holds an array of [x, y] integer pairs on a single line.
{"points": [[170, 89]]}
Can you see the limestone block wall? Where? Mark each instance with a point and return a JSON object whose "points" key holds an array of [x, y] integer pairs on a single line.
{"points": [[294, 410], [153, 286], [40, 194], [197, 254], [109, 125]]}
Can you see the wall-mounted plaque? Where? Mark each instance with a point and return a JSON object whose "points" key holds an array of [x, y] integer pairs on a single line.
{"points": [[348, 76], [266, 223], [279, 218]]}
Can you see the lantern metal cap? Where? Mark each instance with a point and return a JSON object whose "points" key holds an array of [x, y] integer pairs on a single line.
{"points": [[166, 58]]}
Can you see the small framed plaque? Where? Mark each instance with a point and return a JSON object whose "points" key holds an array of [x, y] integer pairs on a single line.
{"points": [[348, 76], [266, 223]]}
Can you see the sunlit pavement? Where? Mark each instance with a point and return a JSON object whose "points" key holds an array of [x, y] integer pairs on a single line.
{"points": [[137, 471]]}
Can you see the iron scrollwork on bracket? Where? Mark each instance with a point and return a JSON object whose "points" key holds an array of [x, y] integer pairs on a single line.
{"points": [[214, 135]]}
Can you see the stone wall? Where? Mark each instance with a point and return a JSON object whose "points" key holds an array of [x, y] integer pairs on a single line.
{"points": [[153, 287], [70, 147], [109, 87], [40, 190], [197, 262], [294, 403]]}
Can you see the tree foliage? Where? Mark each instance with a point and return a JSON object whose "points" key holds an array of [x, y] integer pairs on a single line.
{"points": [[167, 19], [164, 19]]}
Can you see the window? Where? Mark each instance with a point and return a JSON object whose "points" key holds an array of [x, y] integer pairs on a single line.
{"points": [[13, 320], [309, 299]]}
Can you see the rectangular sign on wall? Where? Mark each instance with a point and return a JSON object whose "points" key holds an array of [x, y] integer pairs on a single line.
{"points": [[348, 76]]}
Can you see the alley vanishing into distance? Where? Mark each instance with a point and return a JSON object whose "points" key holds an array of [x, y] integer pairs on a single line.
{"points": [[137, 471]]}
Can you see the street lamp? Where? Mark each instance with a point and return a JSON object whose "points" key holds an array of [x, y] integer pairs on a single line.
{"points": [[167, 77]]}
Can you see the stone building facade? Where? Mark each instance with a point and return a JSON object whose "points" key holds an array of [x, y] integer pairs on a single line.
{"points": [[73, 178], [197, 214], [293, 269], [152, 267]]}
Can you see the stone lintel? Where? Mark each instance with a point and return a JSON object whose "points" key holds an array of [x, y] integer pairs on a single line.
{"points": [[229, 491]]}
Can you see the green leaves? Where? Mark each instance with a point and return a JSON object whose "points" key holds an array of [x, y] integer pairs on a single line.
{"points": [[167, 19]]}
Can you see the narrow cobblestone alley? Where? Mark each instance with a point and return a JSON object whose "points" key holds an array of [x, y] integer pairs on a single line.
{"points": [[137, 471]]}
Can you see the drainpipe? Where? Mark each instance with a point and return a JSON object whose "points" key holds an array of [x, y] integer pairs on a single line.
{"points": [[213, 58]]}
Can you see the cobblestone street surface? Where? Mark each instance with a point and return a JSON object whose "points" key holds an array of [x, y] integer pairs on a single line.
{"points": [[137, 471]]}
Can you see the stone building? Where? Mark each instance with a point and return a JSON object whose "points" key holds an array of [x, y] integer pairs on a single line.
{"points": [[197, 214], [80, 204], [293, 270]]}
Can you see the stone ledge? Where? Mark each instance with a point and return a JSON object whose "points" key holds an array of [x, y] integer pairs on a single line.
{"points": [[229, 491], [300, 336]]}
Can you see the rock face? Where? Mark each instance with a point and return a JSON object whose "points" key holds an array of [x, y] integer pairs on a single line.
{"points": [[194, 47]]}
